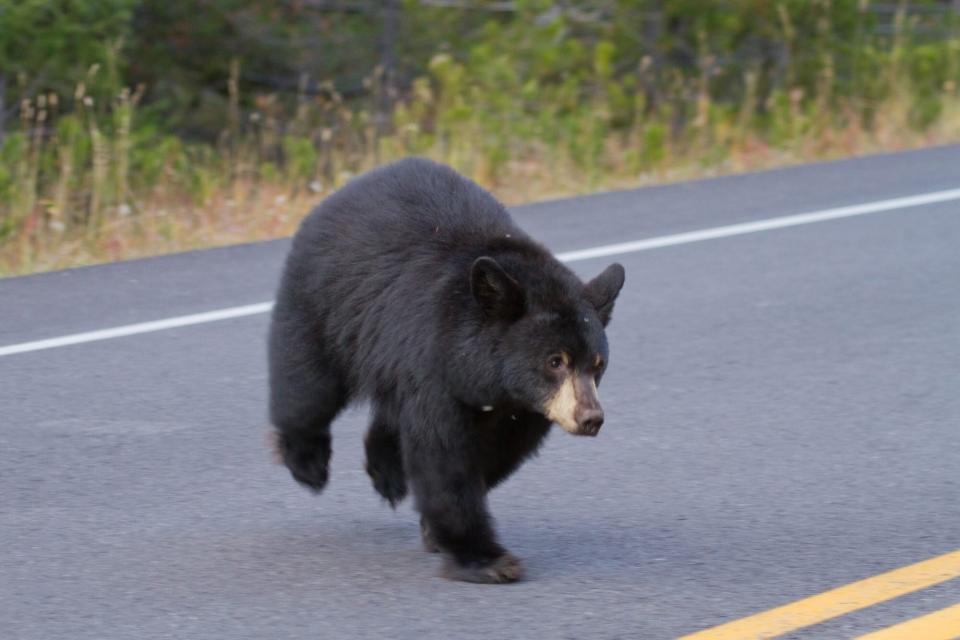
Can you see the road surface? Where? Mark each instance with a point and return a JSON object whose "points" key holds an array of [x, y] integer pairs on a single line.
{"points": [[783, 418]]}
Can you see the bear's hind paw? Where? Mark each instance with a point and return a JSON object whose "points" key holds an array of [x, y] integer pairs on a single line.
{"points": [[307, 459], [429, 544]]}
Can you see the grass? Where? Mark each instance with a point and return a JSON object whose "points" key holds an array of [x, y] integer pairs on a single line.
{"points": [[95, 182]]}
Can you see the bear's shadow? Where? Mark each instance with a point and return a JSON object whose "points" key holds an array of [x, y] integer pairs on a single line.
{"points": [[370, 554]]}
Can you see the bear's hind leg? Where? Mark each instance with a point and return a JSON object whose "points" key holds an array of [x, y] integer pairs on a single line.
{"points": [[305, 396], [385, 461]]}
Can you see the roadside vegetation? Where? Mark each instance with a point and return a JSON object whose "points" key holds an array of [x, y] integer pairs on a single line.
{"points": [[138, 127]]}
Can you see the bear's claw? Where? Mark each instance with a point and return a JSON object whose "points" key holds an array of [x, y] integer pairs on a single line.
{"points": [[507, 568]]}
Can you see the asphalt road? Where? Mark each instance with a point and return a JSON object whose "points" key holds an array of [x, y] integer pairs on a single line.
{"points": [[783, 417]]}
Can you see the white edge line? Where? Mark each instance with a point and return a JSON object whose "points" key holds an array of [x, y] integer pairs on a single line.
{"points": [[141, 327], [761, 225], [569, 256]]}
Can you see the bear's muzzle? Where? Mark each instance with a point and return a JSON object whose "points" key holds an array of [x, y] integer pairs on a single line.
{"points": [[575, 406]]}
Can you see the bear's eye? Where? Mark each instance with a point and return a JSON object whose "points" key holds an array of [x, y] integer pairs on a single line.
{"points": [[556, 361]]}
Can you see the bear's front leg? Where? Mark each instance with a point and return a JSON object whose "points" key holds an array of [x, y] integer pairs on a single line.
{"points": [[451, 497]]}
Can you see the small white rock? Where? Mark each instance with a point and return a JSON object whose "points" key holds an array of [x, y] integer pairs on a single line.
{"points": [[487, 407]]}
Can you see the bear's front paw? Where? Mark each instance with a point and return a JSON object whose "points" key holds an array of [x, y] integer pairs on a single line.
{"points": [[504, 569], [389, 483]]}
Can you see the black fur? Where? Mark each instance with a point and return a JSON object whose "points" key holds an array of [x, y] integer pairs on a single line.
{"points": [[412, 287]]}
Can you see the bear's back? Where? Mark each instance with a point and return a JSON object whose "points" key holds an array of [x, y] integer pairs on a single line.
{"points": [[406, 203]]}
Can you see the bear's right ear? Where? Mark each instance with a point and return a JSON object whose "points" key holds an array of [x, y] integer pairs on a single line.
{"points": [[499, 295], [602, 291]]}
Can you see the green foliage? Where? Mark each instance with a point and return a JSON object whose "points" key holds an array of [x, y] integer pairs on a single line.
{"points": [[50, 45], [301, 158]]}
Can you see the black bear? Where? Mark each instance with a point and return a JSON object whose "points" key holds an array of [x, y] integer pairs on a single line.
{"points": [[413, 288]]}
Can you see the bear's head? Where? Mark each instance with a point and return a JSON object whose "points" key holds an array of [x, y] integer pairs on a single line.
{"points": [[553, 348]]}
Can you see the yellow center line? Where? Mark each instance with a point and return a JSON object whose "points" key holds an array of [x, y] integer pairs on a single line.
{"points": [[837, 602], [939, 625]]}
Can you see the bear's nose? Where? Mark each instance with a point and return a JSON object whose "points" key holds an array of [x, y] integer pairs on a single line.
{"points": [[591, 421]]}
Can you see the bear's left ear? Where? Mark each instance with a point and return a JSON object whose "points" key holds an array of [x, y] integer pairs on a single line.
{"points": [[499, 295], [602, 291]]}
